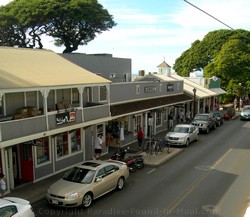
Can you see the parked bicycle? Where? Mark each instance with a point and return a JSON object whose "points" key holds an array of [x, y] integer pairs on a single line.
{"points": [[159, 146], [153, 146]]}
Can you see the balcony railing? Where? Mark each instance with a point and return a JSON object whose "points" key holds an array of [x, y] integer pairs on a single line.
{"points": [[14, 129]]}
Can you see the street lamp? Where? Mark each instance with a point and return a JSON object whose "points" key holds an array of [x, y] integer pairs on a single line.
{"points": [[194, 108]]}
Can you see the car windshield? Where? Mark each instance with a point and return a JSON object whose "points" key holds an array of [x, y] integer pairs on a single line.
{"points": [[201, 117], [180, 129], [79, 175], [246, 109]]}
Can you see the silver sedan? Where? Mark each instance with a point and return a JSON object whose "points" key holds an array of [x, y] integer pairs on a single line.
{"points": [[182, 134]]}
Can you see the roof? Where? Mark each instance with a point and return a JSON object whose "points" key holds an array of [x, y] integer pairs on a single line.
{"points": [[26, 68], [201, 92], [164, 65], [139, 106], [218, 90]]}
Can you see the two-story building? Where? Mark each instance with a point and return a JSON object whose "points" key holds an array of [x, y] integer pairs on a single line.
{"points": [[51, 112]]}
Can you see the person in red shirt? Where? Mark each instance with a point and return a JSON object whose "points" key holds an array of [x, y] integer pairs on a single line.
{"points": [[140, 136]]}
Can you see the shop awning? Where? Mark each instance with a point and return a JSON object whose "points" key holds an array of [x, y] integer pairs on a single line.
{"points": [[146, 105]]}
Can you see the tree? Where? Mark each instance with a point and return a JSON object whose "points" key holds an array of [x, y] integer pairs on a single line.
{"points": [[70, 22], [222, 53]]}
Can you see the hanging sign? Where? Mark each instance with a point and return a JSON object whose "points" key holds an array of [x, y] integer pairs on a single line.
{"points": [[66, 117]]}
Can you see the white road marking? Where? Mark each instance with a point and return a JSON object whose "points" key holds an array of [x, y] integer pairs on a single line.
{"points": [[151, 171]]}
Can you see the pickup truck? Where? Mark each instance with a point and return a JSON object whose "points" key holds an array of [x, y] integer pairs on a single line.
{"points": [[204, 122]]}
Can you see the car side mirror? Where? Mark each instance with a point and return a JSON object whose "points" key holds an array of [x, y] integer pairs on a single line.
{"points": [[98, 179]]}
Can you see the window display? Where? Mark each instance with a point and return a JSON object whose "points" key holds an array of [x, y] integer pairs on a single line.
{"points": [[62, 144], [75, 136], [42, 150]]}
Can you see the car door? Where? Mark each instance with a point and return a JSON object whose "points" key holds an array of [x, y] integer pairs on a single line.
{"points": [[99, 185], [112, 176], [192, 134]]}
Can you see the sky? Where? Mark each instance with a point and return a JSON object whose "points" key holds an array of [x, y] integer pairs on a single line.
{"points": [[151, 31]]}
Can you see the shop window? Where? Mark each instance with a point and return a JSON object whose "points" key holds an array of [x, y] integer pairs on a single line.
{"points": [[158, 118], [75, 137], [137, 123], [42, 150], [62, 144], [165, 114]]}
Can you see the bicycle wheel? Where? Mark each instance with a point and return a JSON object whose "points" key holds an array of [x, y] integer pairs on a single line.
{"points": [[157, 148]]}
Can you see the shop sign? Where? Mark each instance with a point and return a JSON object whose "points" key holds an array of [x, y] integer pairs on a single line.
{"points": [[151, 89], [66, 117], [170, 87]]}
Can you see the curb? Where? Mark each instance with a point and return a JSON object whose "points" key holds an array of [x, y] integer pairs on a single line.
{"points": [[162, 158]]}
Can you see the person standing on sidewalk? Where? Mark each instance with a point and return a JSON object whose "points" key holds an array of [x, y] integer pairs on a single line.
{"points": [[171, 120], [140, 136]]}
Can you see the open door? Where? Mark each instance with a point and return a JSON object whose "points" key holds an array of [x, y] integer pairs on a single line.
{"points": [[27, 174]]}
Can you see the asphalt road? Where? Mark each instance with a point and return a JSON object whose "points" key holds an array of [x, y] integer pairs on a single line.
{"points": [[210, 178]]}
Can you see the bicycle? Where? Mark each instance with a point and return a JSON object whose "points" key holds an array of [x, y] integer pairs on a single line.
{"points": [[159, 146], [148, 146]]}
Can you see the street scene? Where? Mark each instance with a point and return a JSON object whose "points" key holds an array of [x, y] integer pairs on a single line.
{"points": [[124, 108]]}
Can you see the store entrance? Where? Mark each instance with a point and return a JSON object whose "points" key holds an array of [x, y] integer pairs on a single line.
{"points": [[26, 160], [22, 163]]}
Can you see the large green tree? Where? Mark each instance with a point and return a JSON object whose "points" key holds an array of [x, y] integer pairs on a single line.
{"points": [[70, 22], [224, 54]]}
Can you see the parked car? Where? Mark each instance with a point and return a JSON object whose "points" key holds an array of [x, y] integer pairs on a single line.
{"points": [[16, 207], [182, 134], [204, 122], [84, 183], [245, 113], [219, 117]]}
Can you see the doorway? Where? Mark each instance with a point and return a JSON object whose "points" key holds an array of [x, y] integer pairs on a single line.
{"points": [[26, 160]]}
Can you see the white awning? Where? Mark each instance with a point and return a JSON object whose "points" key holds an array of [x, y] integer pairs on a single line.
{"points": [[218, 90]]}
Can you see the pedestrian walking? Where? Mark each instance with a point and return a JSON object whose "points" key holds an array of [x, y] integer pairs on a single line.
{"points": [[140, 136], [235, 103], [98, 147], [182, 116], [188, 116]]}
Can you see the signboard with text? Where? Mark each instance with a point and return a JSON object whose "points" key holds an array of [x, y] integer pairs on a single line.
{"points": [[66, 117]]}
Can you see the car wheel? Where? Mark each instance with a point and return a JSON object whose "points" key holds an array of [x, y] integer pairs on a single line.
{"points": [[140, 164], [187, 143], [207, 130], [87, 200], [197, 138], [132, 167], [120, 183]]}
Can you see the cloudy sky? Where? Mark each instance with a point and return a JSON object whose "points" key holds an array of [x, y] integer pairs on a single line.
{"points": [[149, 31]]}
